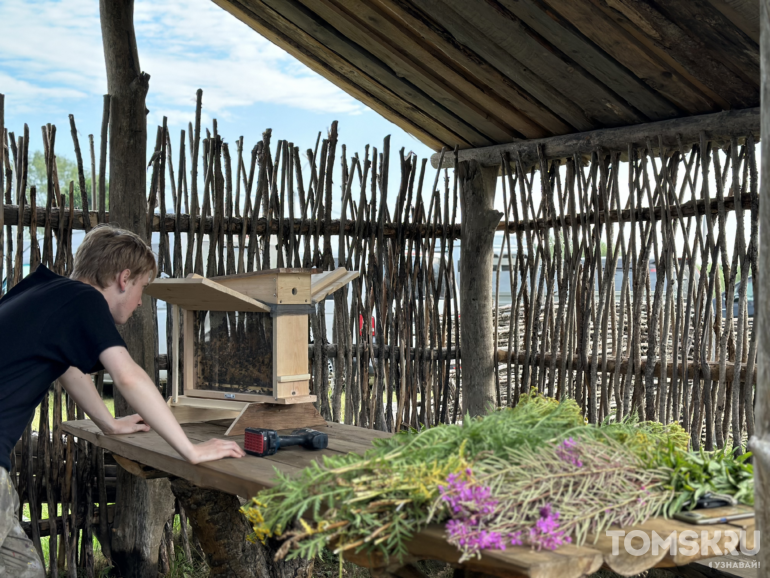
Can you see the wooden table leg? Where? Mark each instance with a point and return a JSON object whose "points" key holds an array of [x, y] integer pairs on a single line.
{"points": [[222, 530]]}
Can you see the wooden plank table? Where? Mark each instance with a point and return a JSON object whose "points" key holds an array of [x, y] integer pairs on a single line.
{"points": [[246, 476]]}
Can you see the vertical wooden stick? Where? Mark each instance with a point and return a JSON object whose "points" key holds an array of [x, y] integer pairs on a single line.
{"points": [[102, 206], [175, 353]]}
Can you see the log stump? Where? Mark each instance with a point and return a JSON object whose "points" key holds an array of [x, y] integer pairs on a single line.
{"points": [[221, 530]]}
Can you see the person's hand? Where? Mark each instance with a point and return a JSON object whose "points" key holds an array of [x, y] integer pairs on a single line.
{"points": [[214, 449], [129, 424]]}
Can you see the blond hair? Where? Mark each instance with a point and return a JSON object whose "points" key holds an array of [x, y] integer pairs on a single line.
{"points": [[108, 250]]}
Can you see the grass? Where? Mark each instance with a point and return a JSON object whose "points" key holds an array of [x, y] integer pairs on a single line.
{"points": [[328, 566]]}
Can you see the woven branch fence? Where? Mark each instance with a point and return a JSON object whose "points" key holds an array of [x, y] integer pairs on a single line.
{"points": [[614, 274]]}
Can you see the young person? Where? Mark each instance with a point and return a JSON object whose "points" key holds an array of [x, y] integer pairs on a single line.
{"points": [[52, 327]]}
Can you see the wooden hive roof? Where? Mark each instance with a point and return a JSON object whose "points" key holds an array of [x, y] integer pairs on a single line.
{"points": [[253, 291], [476, 73]]}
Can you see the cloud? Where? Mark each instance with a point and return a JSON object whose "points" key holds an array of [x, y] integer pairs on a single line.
{"points": [[51, 53], [22, 95]]}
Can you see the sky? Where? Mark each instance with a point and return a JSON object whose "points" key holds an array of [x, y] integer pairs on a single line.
{"points": [[52, 65]]}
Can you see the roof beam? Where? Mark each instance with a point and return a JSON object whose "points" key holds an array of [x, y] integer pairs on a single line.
{"points": [[718, 127]]}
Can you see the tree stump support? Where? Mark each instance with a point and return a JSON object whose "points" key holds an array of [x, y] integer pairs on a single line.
{"points": [[222, 530], [480, 219]]}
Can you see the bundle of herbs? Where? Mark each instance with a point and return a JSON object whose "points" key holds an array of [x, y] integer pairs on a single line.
{"points": [[536, 474], [549, 496], [693, 475]]}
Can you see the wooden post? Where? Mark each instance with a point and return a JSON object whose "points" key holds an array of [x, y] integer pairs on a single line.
{"points": [[760, 444], [128, 86], [142, 506], [477, 196]]}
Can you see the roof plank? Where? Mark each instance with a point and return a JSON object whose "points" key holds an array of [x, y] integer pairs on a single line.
{"points": [[342, 74], [472, 64], [617, 78], [712, 32], [356, 22], [657, 71], [322, 32], [477, 41], [700, 56], [566, 76], [744, 14], [410, 44], [670, 43]]}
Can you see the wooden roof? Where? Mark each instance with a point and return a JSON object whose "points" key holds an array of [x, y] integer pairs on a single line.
{"points": [[476, 73], [249, 291], [197, 293]]}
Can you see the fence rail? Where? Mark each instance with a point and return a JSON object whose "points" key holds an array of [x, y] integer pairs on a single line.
{"points": [[235, 224]]}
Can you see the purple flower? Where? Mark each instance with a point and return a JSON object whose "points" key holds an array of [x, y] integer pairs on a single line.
{"points": [[545, 533], [465, 534], [473, 509], [568, 451], [463, 497]]}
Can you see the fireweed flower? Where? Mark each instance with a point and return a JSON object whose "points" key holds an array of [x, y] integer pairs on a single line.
{"points": [[545, 533], [568, 451], [467, 499], [469, 538], [473, 510]]}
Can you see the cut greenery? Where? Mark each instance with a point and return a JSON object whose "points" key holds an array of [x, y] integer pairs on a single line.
{"points": [[536, 474]]}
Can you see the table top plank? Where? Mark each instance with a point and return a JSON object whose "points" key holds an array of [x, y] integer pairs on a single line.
{"points": [[150, 449], [243, 477]]}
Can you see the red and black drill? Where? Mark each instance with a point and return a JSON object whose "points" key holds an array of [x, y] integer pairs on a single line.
{"points": [[265, 442]]}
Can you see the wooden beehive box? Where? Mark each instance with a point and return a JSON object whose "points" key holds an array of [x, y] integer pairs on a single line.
{"points": [[245, 341]]}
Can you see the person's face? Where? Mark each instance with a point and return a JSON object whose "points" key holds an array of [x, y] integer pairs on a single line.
{"points": [[130, 296]]}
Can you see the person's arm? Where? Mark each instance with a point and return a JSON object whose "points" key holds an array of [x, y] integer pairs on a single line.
{"points": [[142, 395], [80, 387]]}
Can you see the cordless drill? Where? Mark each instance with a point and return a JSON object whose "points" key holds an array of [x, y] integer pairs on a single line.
{"points": [[265, 442]]}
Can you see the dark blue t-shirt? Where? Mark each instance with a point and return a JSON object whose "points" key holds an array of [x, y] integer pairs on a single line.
{"points": [[48, 324]]}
